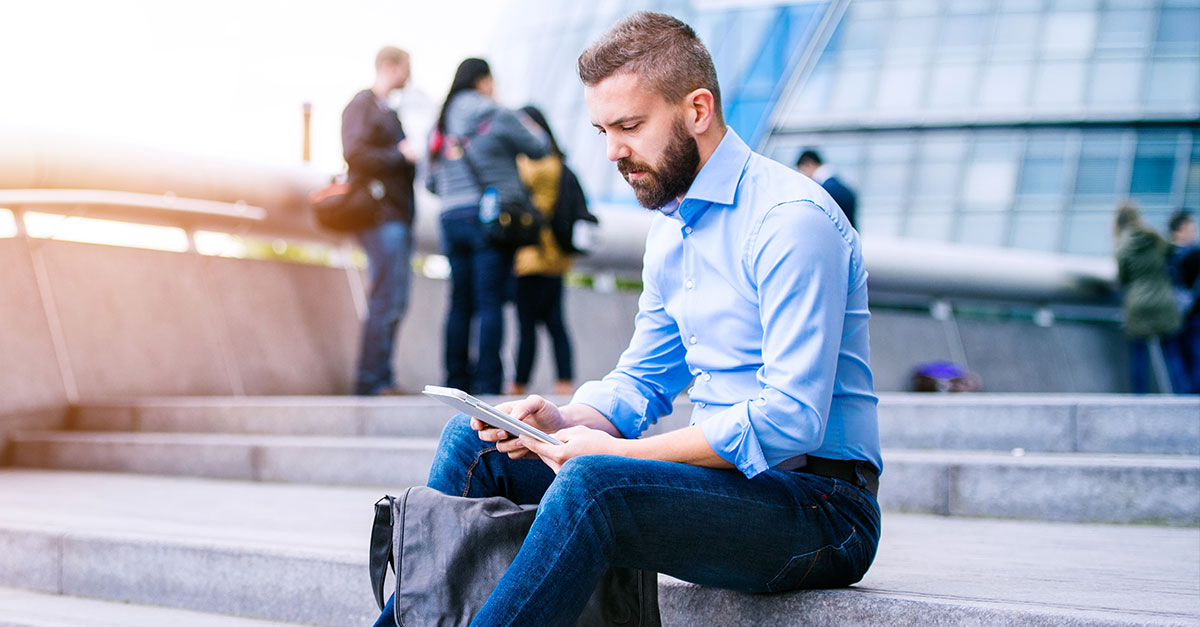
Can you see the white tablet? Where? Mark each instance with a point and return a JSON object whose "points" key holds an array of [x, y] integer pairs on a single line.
{"points": [[472, 406]]}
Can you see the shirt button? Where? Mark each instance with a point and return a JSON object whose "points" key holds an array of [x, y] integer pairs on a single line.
{"points": [[687, 229], [689, 284], [707, 377], [692, 339], [702, 405]]}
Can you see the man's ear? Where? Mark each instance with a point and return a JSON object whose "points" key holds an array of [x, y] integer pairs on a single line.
{"points": [[701, 113]]}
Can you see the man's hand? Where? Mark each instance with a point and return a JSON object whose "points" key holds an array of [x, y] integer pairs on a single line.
{"points": [[534, 411], [406, 149], [576, 441]]}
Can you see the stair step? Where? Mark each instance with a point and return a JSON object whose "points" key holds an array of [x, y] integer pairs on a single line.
{"points": [[298, 553], [1046, 423], [296, 459], [1154, 489], [23, 608]]}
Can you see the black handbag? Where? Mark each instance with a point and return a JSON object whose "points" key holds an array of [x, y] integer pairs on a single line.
{"points": [[511, 224], [341, 206], [449, 553]]}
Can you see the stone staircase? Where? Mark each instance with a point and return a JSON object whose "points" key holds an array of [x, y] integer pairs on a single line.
{"points": [[998, 510]]}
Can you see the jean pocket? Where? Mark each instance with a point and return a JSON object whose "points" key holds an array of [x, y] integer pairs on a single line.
{"points": [[831, 566]]}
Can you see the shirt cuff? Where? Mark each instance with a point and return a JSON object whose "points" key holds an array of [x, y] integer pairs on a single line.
{"points": [[625, 409], [732, 436]]}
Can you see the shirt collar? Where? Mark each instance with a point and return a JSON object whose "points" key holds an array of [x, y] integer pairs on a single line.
{"points": [[718, 180], [822, 174]]}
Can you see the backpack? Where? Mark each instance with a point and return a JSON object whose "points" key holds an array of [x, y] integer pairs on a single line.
{"points": [[570, 208]]}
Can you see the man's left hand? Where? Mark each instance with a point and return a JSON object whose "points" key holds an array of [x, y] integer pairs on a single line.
{"points": [[576, 441]]}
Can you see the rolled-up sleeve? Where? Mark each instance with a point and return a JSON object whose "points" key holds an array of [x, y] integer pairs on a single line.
{"points": [[799, 263], [649, 375]]}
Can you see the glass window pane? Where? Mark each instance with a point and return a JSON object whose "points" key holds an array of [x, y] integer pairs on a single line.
{"points": [[813, 96], [1115, 82], [1005, 85], [1059, 85], [1036, 231], [901, 87], [1177, 30], [1069, 34], [951, 85], [964, 32], [851, 88], [876, 222], [1124, 29], [1016, 33], [1099, 163], [1174, 82], [1089, 233], [863, 37], [1153, 166], [930, 226], [983, 229], [1042, 175], [992, 174], [912, 35]]}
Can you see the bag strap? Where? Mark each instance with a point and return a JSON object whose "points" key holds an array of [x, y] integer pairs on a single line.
{"points": [[381, 547]]}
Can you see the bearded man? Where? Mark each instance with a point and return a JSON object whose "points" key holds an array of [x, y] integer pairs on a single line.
{"points": [[755, 293]]}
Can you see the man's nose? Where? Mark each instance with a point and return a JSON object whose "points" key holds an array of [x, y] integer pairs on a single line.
{"points": [[617, 149]]}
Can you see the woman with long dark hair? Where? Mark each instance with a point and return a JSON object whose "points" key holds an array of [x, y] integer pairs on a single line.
{"points": [[473, 149]]}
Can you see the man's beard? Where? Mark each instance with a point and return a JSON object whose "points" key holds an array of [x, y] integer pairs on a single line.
{"points": [[673, 175]]}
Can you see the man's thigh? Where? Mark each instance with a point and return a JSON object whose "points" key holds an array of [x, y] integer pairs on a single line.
{"points": [[780, 530], [466, 466]]}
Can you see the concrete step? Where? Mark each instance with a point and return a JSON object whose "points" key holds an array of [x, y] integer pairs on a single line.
{"points": [[23, 608], [1155, 489], [1047, 423], [298, 553], [293, 459]]}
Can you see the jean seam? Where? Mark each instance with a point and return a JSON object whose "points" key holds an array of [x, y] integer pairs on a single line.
{"points": [[471, 469]]}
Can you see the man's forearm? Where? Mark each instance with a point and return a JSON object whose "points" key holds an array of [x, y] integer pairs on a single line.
{"points": [[686, 446]]}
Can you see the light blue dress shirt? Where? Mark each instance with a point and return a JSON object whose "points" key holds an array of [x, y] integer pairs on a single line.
{"points": [[754, 288]]}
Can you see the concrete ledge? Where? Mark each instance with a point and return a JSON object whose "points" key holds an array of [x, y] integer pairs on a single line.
{"points": [[22, 608], [353, 461]]}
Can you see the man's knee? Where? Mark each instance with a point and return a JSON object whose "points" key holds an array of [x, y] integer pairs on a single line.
{"points": [[589, 478], [458, 434]]}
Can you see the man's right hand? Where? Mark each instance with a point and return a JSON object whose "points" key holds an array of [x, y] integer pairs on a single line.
{"points": [[533, 410]]}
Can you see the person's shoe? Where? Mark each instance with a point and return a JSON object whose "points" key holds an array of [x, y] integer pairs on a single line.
{"points": [[564, 388], [517, 389]]}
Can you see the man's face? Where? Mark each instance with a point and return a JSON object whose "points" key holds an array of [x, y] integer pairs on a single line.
{"points": [[646, 136], [1187, 233], [398, 73]]}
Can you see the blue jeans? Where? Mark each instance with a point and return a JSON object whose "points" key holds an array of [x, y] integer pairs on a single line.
{"points": [[779, 531], [389, 267], [1173, 358], [539, 301], [479, 276]]}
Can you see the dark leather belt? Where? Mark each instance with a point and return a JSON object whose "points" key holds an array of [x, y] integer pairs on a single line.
{"points": [[853, 471]]}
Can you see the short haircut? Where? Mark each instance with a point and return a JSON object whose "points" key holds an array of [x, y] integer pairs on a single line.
{"points": [[1178, 219], [809, 156], [659, 49], [390, 54]]}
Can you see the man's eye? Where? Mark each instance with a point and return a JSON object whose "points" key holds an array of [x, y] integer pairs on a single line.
{"points": [[600, 131], [631, 128]]}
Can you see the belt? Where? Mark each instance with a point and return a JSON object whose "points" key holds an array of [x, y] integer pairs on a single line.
{"points": [[853, 471]]}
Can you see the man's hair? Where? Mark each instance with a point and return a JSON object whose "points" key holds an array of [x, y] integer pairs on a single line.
{"points": [[659, 49], [1178, 219], [809, 156], [389, 54]]}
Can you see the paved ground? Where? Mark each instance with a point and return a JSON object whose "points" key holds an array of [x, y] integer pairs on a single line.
{"points": [[1137, 573]]}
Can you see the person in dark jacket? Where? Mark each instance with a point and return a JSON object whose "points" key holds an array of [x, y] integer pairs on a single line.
{"points": [[379, 157], [474, 147], [811, 165], [1185, 279], [1148, 306]]}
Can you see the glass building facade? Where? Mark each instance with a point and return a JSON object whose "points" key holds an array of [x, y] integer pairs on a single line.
{"points": [[1012, 123]]}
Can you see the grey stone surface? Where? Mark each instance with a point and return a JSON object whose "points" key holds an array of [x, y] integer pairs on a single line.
{"points": [[1017, 356], [327, 460], [293, 327], [1076, 487], [902, 339], [30, 558], [136, 321], [227, 546], [1127, 425], [931, 421], [23, 608], [29, 372]]}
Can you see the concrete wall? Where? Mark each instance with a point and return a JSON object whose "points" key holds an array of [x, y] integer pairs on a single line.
{"points": [[134, 322]]}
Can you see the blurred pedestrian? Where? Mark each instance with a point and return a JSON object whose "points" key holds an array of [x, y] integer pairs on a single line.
{"points": [[1149, 307], [379, 156], [811, 165], [540, 269], [1184, 267], [473, 149]]}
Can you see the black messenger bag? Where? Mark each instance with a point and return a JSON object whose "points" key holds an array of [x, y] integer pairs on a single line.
{"points": [[449, 553]]}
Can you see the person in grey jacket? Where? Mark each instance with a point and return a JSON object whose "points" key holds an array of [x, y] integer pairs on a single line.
{"points": [[472, 126]]}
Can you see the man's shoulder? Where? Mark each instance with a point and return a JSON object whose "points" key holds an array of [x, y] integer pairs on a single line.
{"points": [[768, 184]]}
